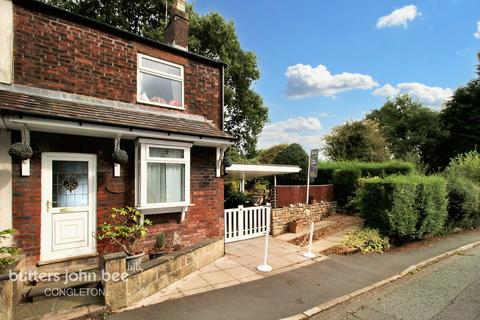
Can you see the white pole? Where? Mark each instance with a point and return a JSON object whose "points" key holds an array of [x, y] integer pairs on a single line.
{"points": [[275, 191], [265, 267], [309, 253], [308, 179]]}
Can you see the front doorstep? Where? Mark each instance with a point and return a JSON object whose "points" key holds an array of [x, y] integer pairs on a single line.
{"points": [[69, 259], [156, 274]]}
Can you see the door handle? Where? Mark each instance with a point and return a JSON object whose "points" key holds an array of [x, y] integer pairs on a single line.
{"points": [[49, 205]]}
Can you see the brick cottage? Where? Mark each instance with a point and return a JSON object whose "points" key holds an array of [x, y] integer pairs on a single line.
{"points": [[76, 90]]}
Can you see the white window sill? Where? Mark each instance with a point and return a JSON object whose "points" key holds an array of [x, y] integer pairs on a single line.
{"points": [[165, 209], [160, 104]]}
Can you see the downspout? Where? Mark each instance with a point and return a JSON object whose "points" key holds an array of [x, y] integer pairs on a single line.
{"points": [[223, 98]]}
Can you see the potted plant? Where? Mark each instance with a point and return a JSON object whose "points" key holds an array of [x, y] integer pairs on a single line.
{"points": [[20, 151], [7, 253], [126, 228], [296, 226], [120, 156], [159, 248], [259, 192]]}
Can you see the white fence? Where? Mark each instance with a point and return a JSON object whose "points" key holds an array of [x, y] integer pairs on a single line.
{"points": [[245, 223]]}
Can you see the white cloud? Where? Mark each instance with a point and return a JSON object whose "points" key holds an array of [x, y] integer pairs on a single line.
{"points": [[431, 96], [399, 17], [477, 34], [387, 90], [298, 124], [306, 81], [305, 131]]}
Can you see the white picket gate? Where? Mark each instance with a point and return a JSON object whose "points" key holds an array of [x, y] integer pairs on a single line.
{"points": [[246, 223]]}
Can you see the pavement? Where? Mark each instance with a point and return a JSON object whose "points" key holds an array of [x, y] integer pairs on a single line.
{"points": [[446, 290], [292, 292], [239, 265]]}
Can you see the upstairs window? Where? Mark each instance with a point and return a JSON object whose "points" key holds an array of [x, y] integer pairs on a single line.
{"points": [[159, 82]]}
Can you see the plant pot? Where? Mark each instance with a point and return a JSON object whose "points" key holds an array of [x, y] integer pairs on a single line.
{"points": [[295, 226], [134, 262]]}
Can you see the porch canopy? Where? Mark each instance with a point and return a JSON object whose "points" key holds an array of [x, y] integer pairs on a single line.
{"points": [[47, 111], [244, 171]]}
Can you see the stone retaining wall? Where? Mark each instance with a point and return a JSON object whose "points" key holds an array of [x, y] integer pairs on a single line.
{"points": [[282, 216], [7, 298], [156, 274]]}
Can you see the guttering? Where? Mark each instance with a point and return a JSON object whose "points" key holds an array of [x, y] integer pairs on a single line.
{"points": [[105, 131]]}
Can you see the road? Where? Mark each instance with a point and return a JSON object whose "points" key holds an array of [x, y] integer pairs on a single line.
{"points": [[448, 290]]}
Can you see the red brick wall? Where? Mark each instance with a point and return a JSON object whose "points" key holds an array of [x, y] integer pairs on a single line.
{"points": [[287, 195], [204, 220], [57, 54]]}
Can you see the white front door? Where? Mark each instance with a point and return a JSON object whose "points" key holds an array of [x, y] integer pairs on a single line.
{"points": [[68, 205]]}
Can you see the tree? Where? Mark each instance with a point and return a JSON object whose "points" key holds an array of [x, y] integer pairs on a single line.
{"points": [[145, 17], [356, 140], [209, 35], [293, 155], [410, 128], [267, 155], [478, 65], [461, 119]]}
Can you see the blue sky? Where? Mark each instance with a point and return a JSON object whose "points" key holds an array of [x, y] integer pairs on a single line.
{"points": [[325, 62]]}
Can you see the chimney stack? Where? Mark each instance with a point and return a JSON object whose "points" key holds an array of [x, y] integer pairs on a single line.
{"points": [[177, 28]]}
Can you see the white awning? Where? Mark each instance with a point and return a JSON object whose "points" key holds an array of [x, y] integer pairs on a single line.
{"points": [[248, 171]]}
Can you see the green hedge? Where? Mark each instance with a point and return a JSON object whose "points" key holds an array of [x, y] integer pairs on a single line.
{"points": [[404, 207], [344, 175], [463, 176]]}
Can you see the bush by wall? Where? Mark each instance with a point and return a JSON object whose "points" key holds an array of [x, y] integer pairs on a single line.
{"points": [[463, 176], [404, 207], [344, 175]]}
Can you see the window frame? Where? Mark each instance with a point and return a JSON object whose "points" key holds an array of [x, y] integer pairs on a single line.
{"points": [[142, 69], [142, 155]]}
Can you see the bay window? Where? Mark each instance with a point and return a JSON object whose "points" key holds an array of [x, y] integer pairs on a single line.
{"points": [[159, 82], [163, 175]]}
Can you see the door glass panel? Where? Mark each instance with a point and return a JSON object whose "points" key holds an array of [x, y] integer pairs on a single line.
{"points": [[69, 183]]}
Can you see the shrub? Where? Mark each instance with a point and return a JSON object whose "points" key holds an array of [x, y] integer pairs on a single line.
{"points": [[345, 185], [466, 165], [404, 207], [344, 175], [7, 254], [234, 199], [125, 228], [463, 175], [463, 202], [367, 240]]}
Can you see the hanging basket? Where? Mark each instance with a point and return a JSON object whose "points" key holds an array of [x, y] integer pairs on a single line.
{"points": [[227, 162], [20, 151], [120, 156]]}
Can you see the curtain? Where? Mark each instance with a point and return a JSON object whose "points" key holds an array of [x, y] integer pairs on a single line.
{"points": [[156, 184], [176, 92], [165, 182]]}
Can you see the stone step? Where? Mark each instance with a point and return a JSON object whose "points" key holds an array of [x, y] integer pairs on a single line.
{"points": [[72, 265], [76, 307], [75, 280], [318, 225]]}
